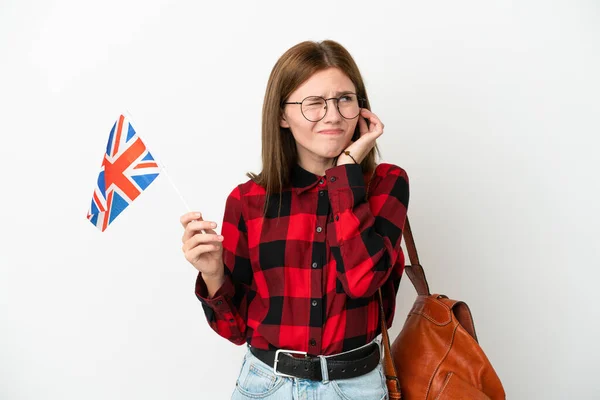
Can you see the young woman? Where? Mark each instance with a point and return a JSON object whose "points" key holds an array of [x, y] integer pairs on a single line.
{"points": [[303, 251]]}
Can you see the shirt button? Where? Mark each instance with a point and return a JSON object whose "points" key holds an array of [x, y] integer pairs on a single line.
{"points": [[332, 179], [313, 342], [319, 229], [321, 182], [314, 303], [315, 265], [219, 302], [321, 193], [337, 217]]}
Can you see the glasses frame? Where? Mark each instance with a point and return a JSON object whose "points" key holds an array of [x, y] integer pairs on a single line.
{"points": [[361, 103]]}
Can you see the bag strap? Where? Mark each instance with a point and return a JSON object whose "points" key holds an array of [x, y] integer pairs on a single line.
{"points": [[416, 274], [415, 271], [417, 277]]}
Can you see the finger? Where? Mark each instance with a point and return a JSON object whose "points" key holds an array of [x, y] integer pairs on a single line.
{"points": [[365, 112], [207, 226], [362, 125], [185, 220], [197, 251], [201, 239], [193, 227], [374, 119], [189, 216], [376, 124]]}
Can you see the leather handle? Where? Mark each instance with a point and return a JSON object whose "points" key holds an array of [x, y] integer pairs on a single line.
{"points": [[409, 240], [415, 271], [417, 276], [389, 369]]}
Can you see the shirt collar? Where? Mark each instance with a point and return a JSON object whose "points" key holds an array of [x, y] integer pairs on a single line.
{"points": [[303, 180]]}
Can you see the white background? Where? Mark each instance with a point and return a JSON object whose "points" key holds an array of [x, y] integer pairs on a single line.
{"points": [[491, 107]]}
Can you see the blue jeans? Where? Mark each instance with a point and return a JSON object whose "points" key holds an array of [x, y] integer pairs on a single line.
{"points": [[258, 381]]}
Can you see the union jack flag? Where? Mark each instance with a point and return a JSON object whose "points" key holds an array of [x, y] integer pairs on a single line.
{"points": [[127, 169]]}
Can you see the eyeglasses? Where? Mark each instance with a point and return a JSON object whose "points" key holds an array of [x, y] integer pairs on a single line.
{"points": [[314, 108]]}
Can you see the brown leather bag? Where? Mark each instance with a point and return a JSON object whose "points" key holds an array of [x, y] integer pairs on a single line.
{"points": [[436, 356]]}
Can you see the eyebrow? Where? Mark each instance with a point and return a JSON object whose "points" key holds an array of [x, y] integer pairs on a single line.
{"points": [[338, 94], [343, 92]]}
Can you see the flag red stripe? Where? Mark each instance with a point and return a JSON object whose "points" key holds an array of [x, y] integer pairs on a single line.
{"points": [[100, 206], [107, 215], [145, 165], [118, 138]]}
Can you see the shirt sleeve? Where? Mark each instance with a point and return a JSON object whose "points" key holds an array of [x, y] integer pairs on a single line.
{"points": [[365, 236], [226, 311]]}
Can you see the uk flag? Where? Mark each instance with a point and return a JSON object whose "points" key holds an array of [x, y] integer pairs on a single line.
{"points": [[127, 169]]}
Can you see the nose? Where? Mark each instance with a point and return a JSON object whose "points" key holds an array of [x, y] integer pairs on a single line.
{"points": [[332, 114]]}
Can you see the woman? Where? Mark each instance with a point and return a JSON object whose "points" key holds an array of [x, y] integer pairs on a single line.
{"points": [[303, 251]]}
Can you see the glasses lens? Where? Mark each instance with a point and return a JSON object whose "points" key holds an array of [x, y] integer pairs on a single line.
{"points": [[349, 106], [313, 108]]}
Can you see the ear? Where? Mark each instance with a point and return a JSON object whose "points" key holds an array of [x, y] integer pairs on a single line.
{"points": [[283, 123]]}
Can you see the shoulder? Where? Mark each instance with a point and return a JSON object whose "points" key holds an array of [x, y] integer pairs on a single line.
{"points": [[383, 170], [392, 180], [245, 189]]}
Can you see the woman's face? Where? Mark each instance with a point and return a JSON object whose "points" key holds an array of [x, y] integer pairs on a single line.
{"points": [[328, 137]]}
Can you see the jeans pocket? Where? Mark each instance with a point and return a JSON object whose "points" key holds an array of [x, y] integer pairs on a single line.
{"points": [[256, 380], [370, 386]]}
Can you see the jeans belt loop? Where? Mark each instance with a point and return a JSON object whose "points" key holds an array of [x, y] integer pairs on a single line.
{"points": [[380, 345], [324, 370]]}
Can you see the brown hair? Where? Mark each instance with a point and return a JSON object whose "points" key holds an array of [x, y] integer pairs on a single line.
{"points": [[293, 68]]}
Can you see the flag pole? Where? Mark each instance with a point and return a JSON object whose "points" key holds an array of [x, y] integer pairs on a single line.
{"points": [[162, 167], [159, 162]]}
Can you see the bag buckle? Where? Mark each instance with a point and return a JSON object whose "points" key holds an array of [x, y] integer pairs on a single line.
{"points": [[279, 351]]}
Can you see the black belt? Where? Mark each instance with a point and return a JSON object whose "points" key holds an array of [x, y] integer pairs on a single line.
{"points": [[340, 366]]}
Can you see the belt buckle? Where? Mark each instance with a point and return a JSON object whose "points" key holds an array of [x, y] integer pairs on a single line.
{"points": [[277, 360]]}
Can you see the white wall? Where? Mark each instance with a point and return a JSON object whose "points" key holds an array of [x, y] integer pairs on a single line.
{"points": [[492, 108]]}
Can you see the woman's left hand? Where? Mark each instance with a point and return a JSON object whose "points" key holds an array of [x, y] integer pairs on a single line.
{"points": [[368, 136]]}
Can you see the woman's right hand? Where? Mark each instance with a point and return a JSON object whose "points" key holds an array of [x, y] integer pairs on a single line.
{"points": [[203, 250]]}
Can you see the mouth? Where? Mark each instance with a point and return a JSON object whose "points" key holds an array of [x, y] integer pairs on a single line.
{"points": [[331, 132]]}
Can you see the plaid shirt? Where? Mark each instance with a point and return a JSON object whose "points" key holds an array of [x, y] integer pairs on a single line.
{"points": [[308, 279]]}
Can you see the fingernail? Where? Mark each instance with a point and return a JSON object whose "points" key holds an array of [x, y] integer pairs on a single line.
{"points": [[220, 237], [213, 225], [197, 215]]}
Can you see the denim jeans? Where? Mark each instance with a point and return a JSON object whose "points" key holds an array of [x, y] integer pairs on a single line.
{"points": [[258, 381]]}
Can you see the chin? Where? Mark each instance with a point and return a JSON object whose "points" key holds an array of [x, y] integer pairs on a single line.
{"points": [[330, 153]]}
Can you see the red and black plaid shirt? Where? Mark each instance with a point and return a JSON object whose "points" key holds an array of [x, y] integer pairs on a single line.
{"points": [[308, 279]]}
